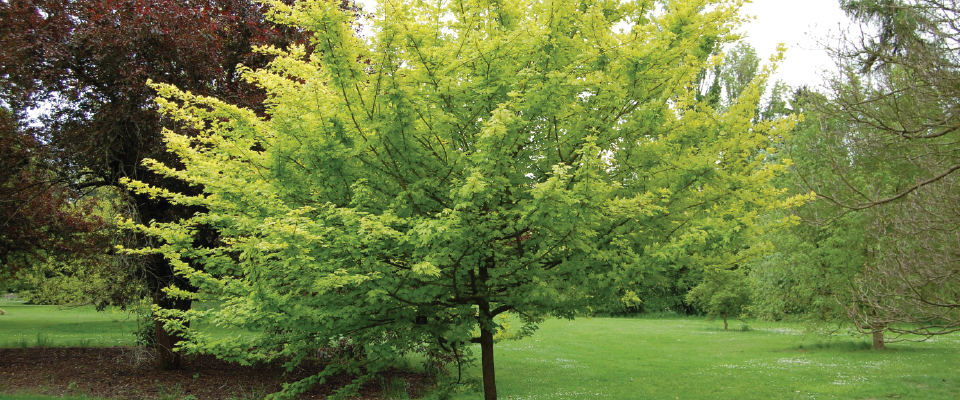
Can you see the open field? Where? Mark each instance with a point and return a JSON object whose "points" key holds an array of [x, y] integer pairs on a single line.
{"points": [[28, 326], [62, 326], [692, 358], [641, 358]]}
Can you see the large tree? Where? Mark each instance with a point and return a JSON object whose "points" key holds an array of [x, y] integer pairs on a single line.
{"points": [[83, 66], [39, 215], [472, 158], [888, 131]]}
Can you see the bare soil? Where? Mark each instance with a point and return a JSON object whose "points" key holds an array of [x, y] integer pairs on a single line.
{"points": [[128, 373]]}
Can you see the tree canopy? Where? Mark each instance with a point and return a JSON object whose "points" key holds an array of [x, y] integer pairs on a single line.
{"points": [[885, 146], [38, 214], [469, 159], [82, 66]]}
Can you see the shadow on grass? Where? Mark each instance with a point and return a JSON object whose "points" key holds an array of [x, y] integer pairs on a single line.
{"points": [[845, 345]]}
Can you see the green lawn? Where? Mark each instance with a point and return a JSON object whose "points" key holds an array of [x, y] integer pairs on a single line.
{"points": [[643, 358], [692, 358], [24, 326], [57, 326]]}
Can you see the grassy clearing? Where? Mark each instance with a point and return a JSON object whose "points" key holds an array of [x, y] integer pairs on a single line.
{"points": [[61, 326], [692, 358], [54, 326]]}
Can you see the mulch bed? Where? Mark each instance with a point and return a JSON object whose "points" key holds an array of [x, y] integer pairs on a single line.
{"points": [[128, 373]]}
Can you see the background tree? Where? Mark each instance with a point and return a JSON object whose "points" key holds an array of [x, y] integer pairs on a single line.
{"points": [[740, 67], [90, 272], [723, 292], [811, 276], [888, 130], [39, 215], [718, 87], [84, 65], [721, 289], [470, 159], [812, 273]]}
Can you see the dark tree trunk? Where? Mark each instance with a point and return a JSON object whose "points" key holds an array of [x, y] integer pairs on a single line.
{"points": [[724, 321], [485, 322], [167, 359], [486, 362], [161, 274], [878, 340]]}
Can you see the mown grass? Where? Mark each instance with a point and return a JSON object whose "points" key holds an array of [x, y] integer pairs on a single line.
{"points": [[642, 358], [693, 358], [55, 326], [64, 326]]}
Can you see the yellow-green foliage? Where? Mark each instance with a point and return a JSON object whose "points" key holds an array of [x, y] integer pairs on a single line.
{"points": [[468, 159]]}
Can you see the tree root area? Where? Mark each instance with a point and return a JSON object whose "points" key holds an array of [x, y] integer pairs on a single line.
{"points": [[128, 373]]}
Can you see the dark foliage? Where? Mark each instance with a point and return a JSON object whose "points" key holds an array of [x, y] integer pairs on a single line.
{"points": [[83, 67], [38, 215]]}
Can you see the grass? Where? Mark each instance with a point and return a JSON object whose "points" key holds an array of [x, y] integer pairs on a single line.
{"points": [[692, 358], [58, 326], [643, 358], [54, 326]]}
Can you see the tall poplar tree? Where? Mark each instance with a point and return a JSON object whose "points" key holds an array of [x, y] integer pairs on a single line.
{"points": [[471, 158]]}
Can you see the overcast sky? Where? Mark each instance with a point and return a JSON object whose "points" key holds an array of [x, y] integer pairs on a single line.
{"points": [[801, 25]]}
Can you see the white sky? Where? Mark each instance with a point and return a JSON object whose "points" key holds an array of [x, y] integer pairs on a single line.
{"points": [[804, 26], [800, 24]]}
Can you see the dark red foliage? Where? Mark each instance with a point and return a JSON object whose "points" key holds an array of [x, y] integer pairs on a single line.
{"points": [[37, 215], [84, 64], [87, 62]]}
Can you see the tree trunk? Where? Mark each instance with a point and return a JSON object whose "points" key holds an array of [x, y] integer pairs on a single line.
{"points": [[167, 359], [724, 321], [486, 362], [162, 275], [878, 340], [877, 331], [486, 325]]}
